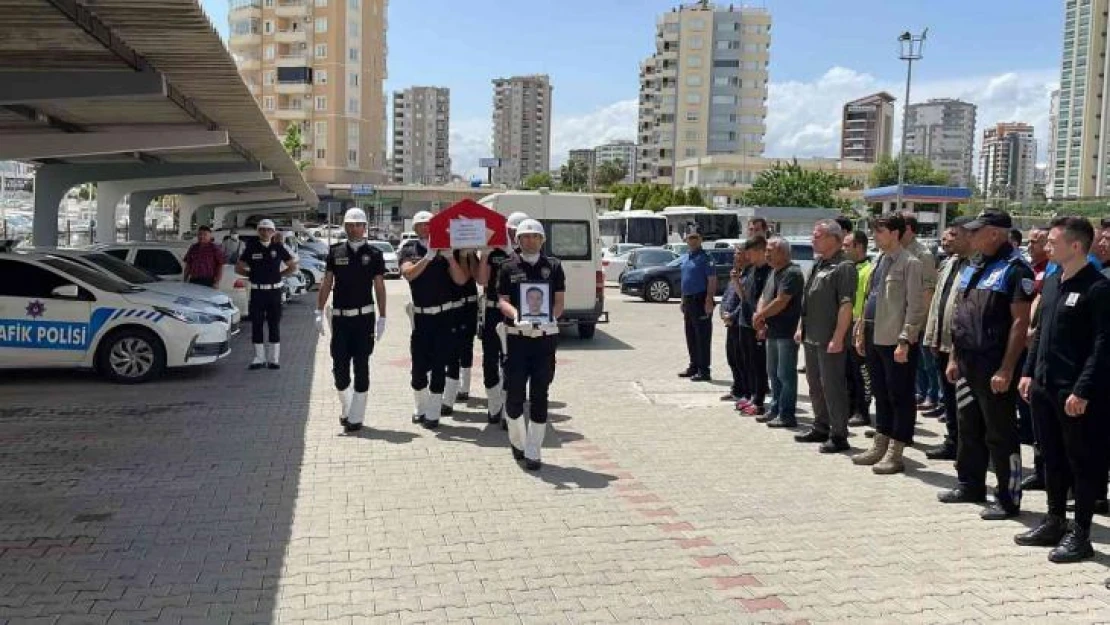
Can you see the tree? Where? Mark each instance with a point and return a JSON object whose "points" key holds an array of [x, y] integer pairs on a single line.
{"points": [[918, 171], [574, 176], [694, 198], [678, 198], [660, 198], [538, 180], [610, 173], [792, 185], [642, 195], [294, 145]]}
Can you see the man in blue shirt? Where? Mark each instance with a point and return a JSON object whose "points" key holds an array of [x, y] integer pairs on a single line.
{"points": [[699, 285]]}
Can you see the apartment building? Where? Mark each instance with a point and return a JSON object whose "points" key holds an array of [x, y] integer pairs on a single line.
{"points": [[620, 150], [421, 136], [588, 158], [319, 65], [1007, 161], [521, 127], [1081, 152], [943, 132], [867, 128], [1050, 147], [704, 90]]}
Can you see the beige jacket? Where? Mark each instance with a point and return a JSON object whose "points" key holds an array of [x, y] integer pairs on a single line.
{"points": [[944, 341], [900, 308]]}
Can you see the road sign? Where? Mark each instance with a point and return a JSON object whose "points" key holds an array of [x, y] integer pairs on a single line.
{"points": [[489, 163], [362, 189]]}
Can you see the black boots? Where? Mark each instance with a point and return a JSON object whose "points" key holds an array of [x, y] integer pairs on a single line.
{"points": [[1075, 546], [1048, 534], [962, 494]]}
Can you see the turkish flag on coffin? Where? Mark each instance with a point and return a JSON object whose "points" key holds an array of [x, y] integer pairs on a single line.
{"points": [[467, 224]]}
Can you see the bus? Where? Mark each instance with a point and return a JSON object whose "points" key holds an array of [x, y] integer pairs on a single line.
{"points": [[633, 226], [711, 223]]}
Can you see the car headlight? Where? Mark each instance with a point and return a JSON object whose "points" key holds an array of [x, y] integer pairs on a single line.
{"points": [[188, 316]]}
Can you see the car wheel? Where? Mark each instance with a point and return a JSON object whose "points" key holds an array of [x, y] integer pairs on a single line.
{"points": [[657, 291], [309, 281], [131, 356], [620, 278], [586, 330]]}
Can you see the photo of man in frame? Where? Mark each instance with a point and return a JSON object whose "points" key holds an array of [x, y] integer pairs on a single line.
{"points": [[535, 298]]}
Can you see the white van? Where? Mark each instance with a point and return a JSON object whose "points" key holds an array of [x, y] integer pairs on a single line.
{"points": [[570, 221]]}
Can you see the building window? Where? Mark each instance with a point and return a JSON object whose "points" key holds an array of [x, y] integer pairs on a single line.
{"points": [[697, 24], [322, 131], [353, 4], [268, 103], [693, 98], [352, 28], [352, 54], [724, 99], [321, 76], [352, 106], [692, 135], [321, 50], [352, 80], [268, 78], [691, 116], [352, 158], [321, 3], [693, 61], [693, 81], [268, 27], [321, 154], [691, 152], [268, 51], [726, 63], [321, 103], [321, 24], [696, 43]]}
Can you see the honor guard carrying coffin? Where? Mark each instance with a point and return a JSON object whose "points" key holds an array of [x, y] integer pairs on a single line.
{"points": [[465, 325], [492, 354], [261, 262], [532, 288], [432, 277], [356, 270]]}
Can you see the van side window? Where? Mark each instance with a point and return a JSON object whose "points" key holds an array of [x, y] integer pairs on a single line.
{"points": [[568, 240]]}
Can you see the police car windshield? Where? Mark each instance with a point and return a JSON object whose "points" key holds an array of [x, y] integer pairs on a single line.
{"points": [[91, 277], [118, 268]]}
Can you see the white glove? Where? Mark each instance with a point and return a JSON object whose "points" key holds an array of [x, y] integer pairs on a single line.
{"points": [[431, 255], [320, 323], [379, 329]]}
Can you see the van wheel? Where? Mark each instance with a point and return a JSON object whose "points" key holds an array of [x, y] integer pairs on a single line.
{"points": [[586, 330], [131, 356], [657, 291]]}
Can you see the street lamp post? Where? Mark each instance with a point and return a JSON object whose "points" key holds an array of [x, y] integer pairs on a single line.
{"points": [[912, 47]]}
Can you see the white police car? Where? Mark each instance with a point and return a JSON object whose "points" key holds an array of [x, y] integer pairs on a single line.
{"points": [[58, 313]]}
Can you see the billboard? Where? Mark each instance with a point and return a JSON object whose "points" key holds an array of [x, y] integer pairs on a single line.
{"points": [[489, 163]]}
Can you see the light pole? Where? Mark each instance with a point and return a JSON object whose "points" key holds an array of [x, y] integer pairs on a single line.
{"points": [[912, 47]]}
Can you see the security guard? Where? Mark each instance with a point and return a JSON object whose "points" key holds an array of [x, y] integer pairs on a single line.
{"points": [[489, 268], [357, 271], [430, 275], [989, 325], [1064, 382], [464, 328], [261, 262], [532, 288]]}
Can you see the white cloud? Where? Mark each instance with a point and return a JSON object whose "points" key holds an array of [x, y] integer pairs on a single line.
{"points": [[803, 117]]}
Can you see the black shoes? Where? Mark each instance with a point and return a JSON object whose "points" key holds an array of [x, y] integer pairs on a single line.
{"points": [[351, 427], [518, 454], [1048, 534], [1033, 482], [446, 411], [962, 494], [343, 421], [857, 420], [935, 412], [418, 419], [273, 365], [255, 366], [689, 373], [768, 416], [493, 418], [834, 445], [463, 397], [504, 424], [944, 452], [1102, 507], [1075, 546], [701, 376], [779, 423], [1000, 511], [429, 424], [532, 465], [812, 436]]}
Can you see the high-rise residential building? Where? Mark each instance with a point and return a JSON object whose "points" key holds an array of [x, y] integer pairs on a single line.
{"points": [[421, 135], [587, 157], [1079, 138], [1007, 161], [704, 90], [521, 127], [867, 129], [943, 132], [620, 150], [319, 65], [1050, 148]]}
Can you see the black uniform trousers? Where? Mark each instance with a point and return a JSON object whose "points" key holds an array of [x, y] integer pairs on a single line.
{"points": [[893, 385], [264, 309], [529, 370], [465, 327], [736, 361], [699, 331], [1074, 450], [951, 413], [988, 433], [431, 347], [492, 358], [859, 385], [352, 343], [753, 353]]}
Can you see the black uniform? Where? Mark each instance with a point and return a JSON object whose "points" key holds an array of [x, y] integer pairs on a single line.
{"points": [[264, 262], [491, 342], [353, 313], [752, 350], [465, 322], [980, 332], [431, 342], [530, 361], [1070, 355]]}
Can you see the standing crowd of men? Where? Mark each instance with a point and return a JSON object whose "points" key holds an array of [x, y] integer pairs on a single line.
{"points": [[1006, 348]]}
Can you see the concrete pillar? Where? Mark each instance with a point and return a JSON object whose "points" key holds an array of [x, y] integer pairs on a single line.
{"points": [[108, 196], [50, 187], [137, 204]]}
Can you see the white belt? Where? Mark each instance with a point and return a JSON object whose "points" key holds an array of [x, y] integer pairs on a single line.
{"points": [[493, 303], [265, 287], [353, 312], [531, 332], [433, 310], [469, 299]]}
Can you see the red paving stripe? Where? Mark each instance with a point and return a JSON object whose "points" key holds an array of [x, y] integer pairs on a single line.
{"points": [[649, 498], [766, 603], [607, 466], [682, 526], [706, 562], [658, 512], [691, 543], [736, 581], [630, 486]]}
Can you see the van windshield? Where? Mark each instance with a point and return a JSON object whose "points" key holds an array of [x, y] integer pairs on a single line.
{"points": [[568, 240]]}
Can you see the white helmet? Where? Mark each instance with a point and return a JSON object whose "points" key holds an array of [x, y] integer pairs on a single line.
{"points": [[529, 226], [514, 220], [355, 216], [266, 223], [422, 217]]}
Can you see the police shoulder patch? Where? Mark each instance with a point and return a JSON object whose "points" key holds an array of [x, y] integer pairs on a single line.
{"points": [[545, 273], [1027, 286]]}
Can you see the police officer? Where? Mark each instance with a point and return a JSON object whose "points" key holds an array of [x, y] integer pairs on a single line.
{"points": [[261, 261], [531, 288], [699, 286], [357, 271], [464, 327], [489, 268], [989, 325], [430, 275], [1064, 382]]}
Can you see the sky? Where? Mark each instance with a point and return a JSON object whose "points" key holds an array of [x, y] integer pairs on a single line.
{"points": [[1003, 55]]}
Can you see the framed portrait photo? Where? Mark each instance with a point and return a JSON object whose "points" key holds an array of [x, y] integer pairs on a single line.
{"points": [[535, 302]]}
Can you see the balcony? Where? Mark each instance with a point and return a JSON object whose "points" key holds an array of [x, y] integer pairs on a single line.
{"points": [[292, 60], [293, 88], [244, 41], [291, 36], [291, 113], [245, 63], [292, 8]]}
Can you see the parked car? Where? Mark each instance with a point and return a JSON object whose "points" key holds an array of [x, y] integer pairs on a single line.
{"points": [[56, 313], [677, 248], [613, 266], [645, 257], [312, 269], [618, 249], [392, 266], [661, 283]]}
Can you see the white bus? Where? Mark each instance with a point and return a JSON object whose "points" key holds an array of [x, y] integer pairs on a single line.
{"points": [[633, 226], [713, 224]]}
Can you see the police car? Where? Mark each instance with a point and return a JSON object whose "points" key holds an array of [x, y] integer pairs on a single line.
{"points": [[61, 314]]}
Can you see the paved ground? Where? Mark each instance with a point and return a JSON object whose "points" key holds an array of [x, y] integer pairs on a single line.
{"points": [[222, 495]]}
